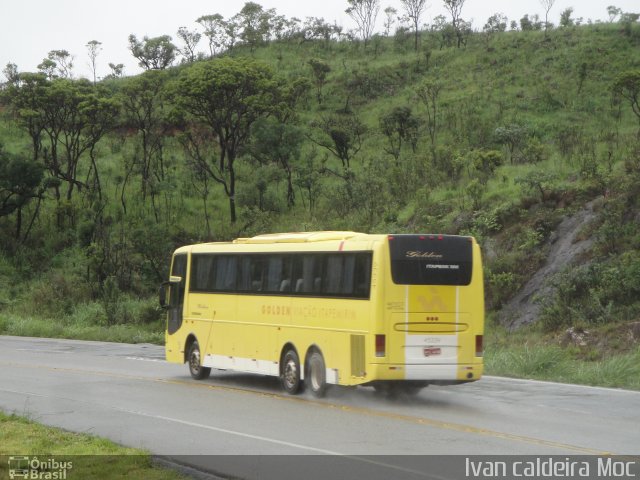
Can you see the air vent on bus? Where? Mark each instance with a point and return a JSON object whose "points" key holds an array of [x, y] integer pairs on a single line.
{"points": [[357, 356]]}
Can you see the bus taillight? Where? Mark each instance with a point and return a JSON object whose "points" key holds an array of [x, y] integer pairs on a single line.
{"points": [[380, 346], [479, 345]]}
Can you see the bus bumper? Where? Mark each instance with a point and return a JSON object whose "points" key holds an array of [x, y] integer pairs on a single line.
{"points": [[437, 373]]}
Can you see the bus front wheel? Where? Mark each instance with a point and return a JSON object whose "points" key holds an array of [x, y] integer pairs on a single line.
{"points": [[195, 366], [290, 374], [316, 377]]}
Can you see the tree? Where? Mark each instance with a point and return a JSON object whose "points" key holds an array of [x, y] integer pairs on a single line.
{"points": [[48, 68], [254, 22], [25, 96], [65, 119], [320, 70], [627, 85], [485, 162], [20, 179], [613, 12], [232, 32], [155, 53], [142, 100], [399, 125], [116, 70], [215, 31], [274, 141], [565, 17], [547, 5], [190, 41], [390, 18], [63, 62], [226, 97], [513, 136], [309, 179], [93, 49], [11, 73], [497, 23], [455, 10], [428, 93], [539, 181], [364, 13], [342, 135], [318, 29], [445, 29], [414, 9], [628, 20]]}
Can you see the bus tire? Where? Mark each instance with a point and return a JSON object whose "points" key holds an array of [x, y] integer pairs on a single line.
{"points": [[316, 377], [290, 374], [195, 366]]}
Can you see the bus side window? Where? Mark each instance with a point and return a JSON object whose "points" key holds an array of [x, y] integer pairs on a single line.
{"points": [[258, 273], [348, 275], [362, 275], [226, 267], [202, 278], [332, 280], [287, 274], [306, 271], [274, 273], [297, 274], [244, 281]]}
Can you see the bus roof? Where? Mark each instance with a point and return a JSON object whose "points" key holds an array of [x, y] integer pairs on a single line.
{"points": [[298, 237], [334, 238]]}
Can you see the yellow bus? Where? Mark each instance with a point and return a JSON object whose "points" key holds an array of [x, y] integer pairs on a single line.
{"points": [[396, 312]]}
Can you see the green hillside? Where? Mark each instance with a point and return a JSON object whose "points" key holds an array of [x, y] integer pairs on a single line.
{"points": [[501, 138]]}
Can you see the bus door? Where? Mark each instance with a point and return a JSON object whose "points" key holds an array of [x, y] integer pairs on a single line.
{"points": [[428, 272], [176, 293]]}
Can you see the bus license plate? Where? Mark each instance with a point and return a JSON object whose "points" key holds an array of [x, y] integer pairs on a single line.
{"points": [[430, 351]]}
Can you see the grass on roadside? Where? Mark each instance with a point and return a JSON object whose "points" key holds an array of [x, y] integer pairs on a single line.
{"points": [[530, 353], [22, 326], [90, 457]]}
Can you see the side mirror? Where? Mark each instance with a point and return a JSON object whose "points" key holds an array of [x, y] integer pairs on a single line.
{"points": [[162, 291], [162, 295]]}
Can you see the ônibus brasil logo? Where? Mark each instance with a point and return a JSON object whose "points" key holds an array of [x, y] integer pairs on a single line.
{"points": [[38, 469]]}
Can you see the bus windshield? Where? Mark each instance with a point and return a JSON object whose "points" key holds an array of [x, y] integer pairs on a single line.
{"points": [[431, 259]]}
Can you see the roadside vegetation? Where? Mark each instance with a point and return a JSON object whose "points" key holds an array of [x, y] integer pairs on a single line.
{"points": [[296, 126], [90, 457], [605, 356]]}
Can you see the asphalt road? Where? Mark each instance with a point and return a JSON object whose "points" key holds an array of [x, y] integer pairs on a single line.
{"points": [[245, 426]]}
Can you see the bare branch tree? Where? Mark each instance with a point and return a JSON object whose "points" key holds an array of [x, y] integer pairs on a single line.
{"points": [[414, 10], [391, 14], [547, 5], [190, 41], [364, 13], [93, 49], [455, 9]]}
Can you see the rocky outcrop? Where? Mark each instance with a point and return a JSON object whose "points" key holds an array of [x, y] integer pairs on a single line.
{"points": [[565, 247]]}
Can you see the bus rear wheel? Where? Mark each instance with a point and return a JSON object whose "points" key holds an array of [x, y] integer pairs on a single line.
{"points": [[316, 377], [195, 366], [290, 374]]}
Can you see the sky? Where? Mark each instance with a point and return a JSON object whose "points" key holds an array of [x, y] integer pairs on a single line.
{"points": [[29, 29]]}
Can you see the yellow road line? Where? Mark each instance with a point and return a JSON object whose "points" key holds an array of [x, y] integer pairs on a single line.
{"points": [[345, 408]]}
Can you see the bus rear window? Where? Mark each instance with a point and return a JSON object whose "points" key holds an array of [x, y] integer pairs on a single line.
{"points": [[431, 259]]}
